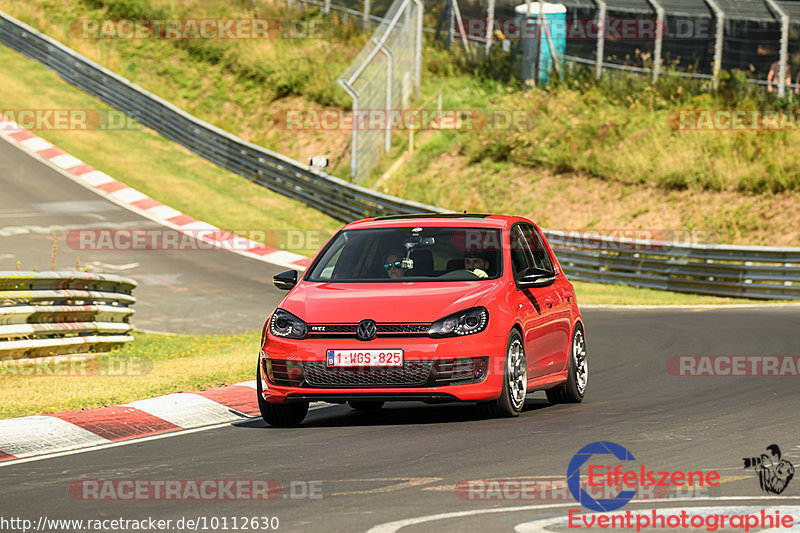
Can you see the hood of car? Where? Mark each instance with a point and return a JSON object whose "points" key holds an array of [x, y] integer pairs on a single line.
{"points": [[327, 303]]}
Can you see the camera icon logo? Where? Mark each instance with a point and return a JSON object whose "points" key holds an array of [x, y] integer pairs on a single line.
{"points": [[774, 473]]}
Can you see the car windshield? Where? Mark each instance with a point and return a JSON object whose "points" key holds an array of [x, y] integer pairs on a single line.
{"points": [[410, 253]]}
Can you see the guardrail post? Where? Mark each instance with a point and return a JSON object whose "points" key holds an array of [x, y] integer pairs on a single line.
{"points": [[660, 29], [365, 14], [489, 25], [601, 36], [784, 19], [719, 40], [418, 45], [389, 71], [354, 138], [451, 23]]}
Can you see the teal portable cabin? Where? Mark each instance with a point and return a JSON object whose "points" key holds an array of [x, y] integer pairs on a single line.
{"points": [[537, 60]]}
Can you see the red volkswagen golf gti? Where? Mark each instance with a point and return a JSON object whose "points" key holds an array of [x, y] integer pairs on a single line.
{"points": [[435, 308]]}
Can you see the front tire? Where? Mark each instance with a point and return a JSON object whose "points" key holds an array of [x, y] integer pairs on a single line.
{"points": [[282, 415], [574, 389], [515, 381]]}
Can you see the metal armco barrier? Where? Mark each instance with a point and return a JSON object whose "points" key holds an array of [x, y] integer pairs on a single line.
{"points": [[47, 313], [760, 272], [748, 272], [338, 198]]}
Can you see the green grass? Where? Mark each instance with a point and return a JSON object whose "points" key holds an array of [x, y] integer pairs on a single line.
{"points": [[154, 165], [150, 365], [164, 170], [577, 127], [620, 294]]}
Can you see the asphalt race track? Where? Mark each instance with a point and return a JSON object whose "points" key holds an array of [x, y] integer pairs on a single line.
{"points": [[404, 461], [180, 291]]}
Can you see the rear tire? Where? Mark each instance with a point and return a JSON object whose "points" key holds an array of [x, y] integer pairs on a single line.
{"points": [[515, 382], [365, 405], [282, 415], [574, 389]]}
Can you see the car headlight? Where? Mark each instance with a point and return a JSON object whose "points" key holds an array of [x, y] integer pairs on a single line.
{"points": [[464, 322], [285, 324]]}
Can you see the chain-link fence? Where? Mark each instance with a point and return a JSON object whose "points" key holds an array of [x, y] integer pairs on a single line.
{"points": [[694, 38], [381, 80], [689, 38]]}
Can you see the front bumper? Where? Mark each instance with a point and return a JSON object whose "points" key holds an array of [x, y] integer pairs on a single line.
{"points": [[417, 351]]}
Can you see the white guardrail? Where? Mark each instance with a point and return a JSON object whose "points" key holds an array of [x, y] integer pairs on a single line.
{"points": [[55, 313], [763, 272]]}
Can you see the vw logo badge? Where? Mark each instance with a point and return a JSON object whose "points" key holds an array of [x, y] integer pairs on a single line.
{"points": [[366, 330]]}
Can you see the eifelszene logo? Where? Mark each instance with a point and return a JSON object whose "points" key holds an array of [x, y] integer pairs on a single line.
{"points": [[774, 473], [625, 481]]}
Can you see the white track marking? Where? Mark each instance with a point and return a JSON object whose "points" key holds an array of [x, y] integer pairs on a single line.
{"points": [[282, 256], [95, 178], [66, 161], [200, 227], [143, 439], [185, 410], [128, 195], [36, 144], [163, 212], [109, 266], [33, 435]]}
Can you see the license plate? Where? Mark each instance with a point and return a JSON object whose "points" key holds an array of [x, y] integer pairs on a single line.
{"points": [[364, 357]]}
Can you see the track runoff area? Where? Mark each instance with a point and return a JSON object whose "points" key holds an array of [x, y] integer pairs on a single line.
{"points": [[646, 446]]}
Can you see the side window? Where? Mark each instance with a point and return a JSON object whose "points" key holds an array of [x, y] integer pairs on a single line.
{"points": [[328, 266], [538, 250], [520, 259]]}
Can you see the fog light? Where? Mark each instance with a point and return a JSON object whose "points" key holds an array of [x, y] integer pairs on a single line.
{"points": [[284, 373], [268, 370], [294, 370], [481, 364]]}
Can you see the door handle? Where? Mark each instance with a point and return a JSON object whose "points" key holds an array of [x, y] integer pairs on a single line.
{"points": [[548, 302]]}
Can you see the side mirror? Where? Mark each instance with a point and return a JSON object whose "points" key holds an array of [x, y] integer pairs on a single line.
{"points": [[285, 280], [536, 277]]}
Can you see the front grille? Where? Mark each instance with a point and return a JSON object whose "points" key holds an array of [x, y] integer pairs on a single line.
{"points": [[346, 331], [403, 328], [411, 374]]}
